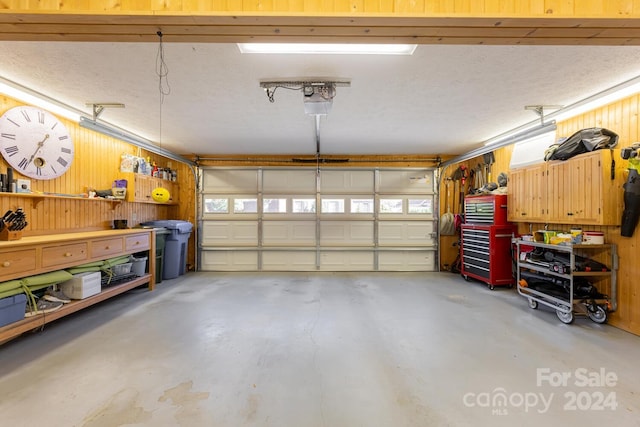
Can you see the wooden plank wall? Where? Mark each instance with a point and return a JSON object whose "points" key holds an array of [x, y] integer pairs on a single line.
{"points": [[474, 7], [449, 244], [96, 165], [622, 118]]}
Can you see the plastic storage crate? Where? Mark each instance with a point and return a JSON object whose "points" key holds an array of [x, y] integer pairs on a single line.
{"points": [[12, 309], [121, 269]]}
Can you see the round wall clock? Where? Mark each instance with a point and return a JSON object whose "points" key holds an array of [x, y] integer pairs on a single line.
{"points": [[35, 143]]}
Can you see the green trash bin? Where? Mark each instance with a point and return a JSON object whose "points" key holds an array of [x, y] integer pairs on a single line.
{"points": [[161, 237]]}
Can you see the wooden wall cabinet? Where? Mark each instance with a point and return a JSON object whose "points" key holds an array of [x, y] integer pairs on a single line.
{"points": [[576, 191], [139, 188], [526, 190]]}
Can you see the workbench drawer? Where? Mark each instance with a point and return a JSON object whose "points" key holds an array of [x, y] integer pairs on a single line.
{"points": [[64, 254], [106, 248], [139, 242], [17, 263]]}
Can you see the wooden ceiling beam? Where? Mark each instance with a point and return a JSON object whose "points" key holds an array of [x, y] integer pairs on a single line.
{"points": [[231, 29]]}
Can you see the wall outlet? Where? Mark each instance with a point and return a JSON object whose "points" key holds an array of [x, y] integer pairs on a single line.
{"points": [[134, 217], [23, 186]]}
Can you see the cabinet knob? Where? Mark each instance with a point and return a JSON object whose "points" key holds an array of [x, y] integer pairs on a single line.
{"points": [[6, 264], [67, 254]]}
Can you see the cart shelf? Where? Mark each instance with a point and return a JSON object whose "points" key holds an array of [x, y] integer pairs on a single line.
{"points": [[559, 291]]}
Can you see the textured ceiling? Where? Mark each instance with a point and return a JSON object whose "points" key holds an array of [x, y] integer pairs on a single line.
{"points": [[440, 100]]}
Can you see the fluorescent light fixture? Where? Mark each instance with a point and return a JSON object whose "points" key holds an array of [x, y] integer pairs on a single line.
{"points": [[328, 49], [514, 133], [32, 97], [600, 99], [607, 96], [531, 150], [505, 139], [138, 141]]}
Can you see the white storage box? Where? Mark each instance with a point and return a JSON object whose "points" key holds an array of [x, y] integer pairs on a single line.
{"points": [[82, 285], [593, 238]]}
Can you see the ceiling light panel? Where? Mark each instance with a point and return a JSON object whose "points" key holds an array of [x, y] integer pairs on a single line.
{"points": [[328, 49]]}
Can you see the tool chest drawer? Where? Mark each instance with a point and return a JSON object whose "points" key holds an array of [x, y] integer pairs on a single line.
{"points": [[486, 210], [485, 251]]}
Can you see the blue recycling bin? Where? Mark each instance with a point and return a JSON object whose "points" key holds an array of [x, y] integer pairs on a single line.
{"points": [[175, 246]]}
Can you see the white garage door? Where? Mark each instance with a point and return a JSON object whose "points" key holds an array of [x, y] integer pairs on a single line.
{"points": [[274, 219]]}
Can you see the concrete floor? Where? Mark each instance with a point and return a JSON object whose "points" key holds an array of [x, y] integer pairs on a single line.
{"points": [[325, 349]]}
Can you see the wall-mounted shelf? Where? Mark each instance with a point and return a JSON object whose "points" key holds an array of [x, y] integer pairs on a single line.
{"points": [[39, 197], [140, 187]]}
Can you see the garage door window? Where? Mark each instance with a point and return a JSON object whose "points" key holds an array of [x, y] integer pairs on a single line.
{"points": [[420, 206], [361, 205], [216, 205], [304, 205], [332, 205], [391, 206], [245, 206], [274, 205]]}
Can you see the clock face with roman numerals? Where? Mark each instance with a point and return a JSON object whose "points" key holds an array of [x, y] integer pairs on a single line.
{"points": [[35, 143]]}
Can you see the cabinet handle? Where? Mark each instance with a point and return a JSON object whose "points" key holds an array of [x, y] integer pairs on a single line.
{"points": [[107, 247], [570, 213], [68, 254], [6, 264]]}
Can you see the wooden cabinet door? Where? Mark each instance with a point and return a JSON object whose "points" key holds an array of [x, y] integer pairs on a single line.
{"points": [[559, 192], [516, 195], [536, 192], [586, 189], [527, 194], [582, 191], [144, 186]]}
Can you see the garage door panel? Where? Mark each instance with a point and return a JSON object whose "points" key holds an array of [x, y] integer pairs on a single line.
{"points": [[289, 233], [229, 233], [289, 181], [406, 233], [345, 182], [405, 181], [346, 233], [232, 260], [347, 261], [288, 260], [230, 181], [406, 260]]}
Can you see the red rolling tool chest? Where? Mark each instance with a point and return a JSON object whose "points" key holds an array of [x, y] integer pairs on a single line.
{"points": [[485, 246]]}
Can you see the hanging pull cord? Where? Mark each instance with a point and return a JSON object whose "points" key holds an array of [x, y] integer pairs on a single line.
{"points": [[162, 71]]}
